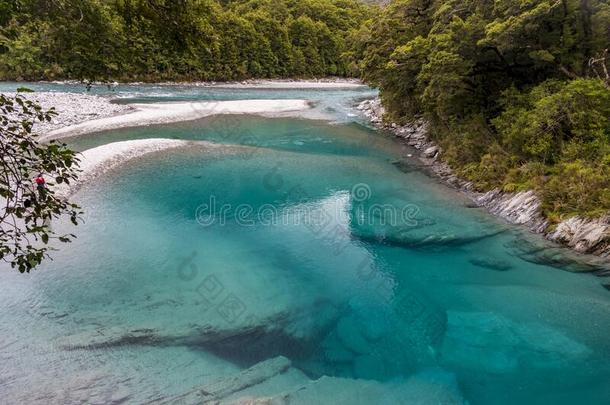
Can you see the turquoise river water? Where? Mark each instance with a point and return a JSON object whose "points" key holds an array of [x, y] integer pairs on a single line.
{"points": [[321, 242]]}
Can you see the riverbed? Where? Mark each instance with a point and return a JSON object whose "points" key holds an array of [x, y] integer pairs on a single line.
{"points": [[305, 258]]}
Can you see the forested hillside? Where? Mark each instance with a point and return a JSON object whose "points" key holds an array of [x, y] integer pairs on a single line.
{"points": [[516, 91], [152, 40]]}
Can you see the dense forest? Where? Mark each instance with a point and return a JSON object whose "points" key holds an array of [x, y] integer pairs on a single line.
{"points": [[153, 40], [516, 91]]}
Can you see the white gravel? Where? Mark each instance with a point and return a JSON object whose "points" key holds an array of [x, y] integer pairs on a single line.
{"points": [[159, 113], [72, 108]]}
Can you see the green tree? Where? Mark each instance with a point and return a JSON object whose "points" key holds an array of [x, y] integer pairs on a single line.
{"points": [[27, 209], [516, 92]]}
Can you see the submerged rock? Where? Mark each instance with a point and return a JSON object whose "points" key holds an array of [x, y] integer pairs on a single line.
{"points": [[388, 341], [349, 333], [224, 387], [371, 366], [285, 333], [426, 241], [433, 386], [488, 341], [547, 254], [491, 263]]}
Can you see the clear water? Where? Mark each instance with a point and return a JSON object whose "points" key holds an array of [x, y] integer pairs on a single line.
{"points": [[164, 291]]}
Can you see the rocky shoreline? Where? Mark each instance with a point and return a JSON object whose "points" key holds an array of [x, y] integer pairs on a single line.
{"points": [[590, 236]]}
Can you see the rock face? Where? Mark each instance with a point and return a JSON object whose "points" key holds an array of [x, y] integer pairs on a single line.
{"points": [[431, 152], [523, 208], [585, 235], [373, 110]]}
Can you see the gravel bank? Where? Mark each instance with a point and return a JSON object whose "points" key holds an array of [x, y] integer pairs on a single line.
{"points": [[72, 109]]}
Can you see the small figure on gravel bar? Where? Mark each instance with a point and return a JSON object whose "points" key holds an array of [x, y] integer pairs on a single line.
{"points": [[41, 185]]}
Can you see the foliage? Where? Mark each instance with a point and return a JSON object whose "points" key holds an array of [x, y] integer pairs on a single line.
{"points": [[516, 92], [152, 40], [26, 209]]}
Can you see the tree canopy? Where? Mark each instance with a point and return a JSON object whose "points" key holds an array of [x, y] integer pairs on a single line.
{"points": [[516, 91], [152, 40]]}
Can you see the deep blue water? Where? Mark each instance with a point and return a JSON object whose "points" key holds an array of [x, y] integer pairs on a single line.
{"points": [[326, 240]]}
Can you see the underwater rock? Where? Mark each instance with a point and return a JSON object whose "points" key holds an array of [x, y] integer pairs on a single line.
{"points": [[555, 256], [419, 328], [349, 333], [335, 352], [290, 333], [224, 387], [405, 167], [429, 387], [113, 337], [491, 263], [427, 241], [491, 342], [385, 341], [432, 386], [372, 367]]}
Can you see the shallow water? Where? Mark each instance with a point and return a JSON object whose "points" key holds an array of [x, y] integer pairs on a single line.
{"points": [[313, 245]]}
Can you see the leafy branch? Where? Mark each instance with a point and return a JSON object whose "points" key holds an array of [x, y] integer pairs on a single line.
{"points": [[27, 208]]}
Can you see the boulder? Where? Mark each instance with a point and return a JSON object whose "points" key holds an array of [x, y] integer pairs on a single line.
{"points": [[372, 367], [431, 152], [491, 263], [350, 334], [496, 344], [584, 235], [521, 208], [224, 387], [428, 387]]}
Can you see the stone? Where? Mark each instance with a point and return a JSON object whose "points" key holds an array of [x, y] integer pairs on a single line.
{"points": [[584, 235], [428, 387], [224, 387], [431, 152], [349, 333], [491, 263], [521, 208], [335, 350], [491, 342]]}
